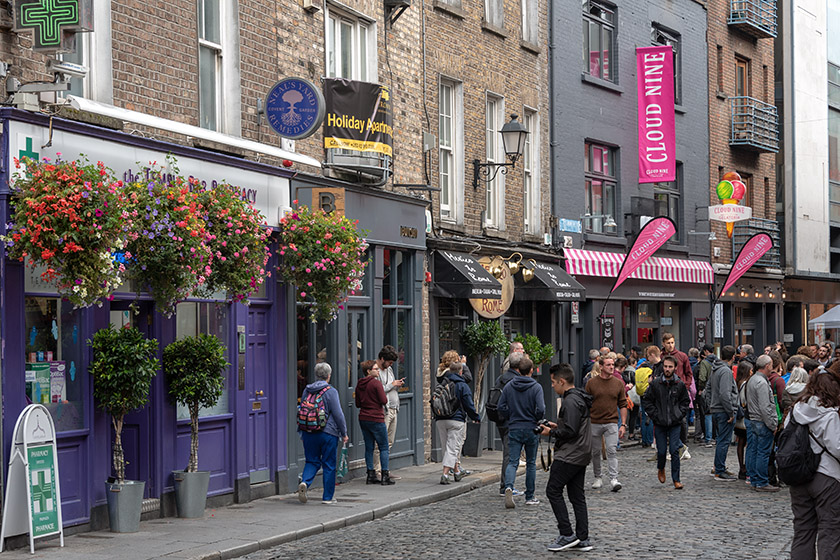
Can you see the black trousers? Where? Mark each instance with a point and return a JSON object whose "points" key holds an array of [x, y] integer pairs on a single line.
{"points": [[816, 518], [699, 417], [503, 433], [571, 477]]}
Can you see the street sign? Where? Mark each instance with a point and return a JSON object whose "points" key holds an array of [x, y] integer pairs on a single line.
{"points": [[32, 483]]}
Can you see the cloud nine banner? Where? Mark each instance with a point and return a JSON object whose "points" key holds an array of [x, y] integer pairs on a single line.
{"points": [[752, 251], [654, 235], [655, 87], [359, 116]]}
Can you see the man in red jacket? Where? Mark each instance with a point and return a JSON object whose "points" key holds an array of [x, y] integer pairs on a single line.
{"points": [[683, 371]]}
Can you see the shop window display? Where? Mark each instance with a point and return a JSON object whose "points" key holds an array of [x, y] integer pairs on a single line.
{"points": [[193, 318]]}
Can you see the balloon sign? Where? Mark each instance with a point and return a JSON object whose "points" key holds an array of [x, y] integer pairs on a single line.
{"points": [[731, 190]]}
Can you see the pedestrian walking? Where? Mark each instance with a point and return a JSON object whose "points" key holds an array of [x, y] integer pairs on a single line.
{"points": [[371, 401], [320, 447], [452, 431], [522, 405], [743, 374], [684, 373], [644, 373], [703, 423], [816, 504], [668, 403], [509, 374], [385, 361], [763, 421], [723, 402], [572, 434], [609, 402]]}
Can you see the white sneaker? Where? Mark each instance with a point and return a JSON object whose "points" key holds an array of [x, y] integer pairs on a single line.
{"points": [[532, 502], [302, 492], [329, 502], [509, 499], [615, 485], [597, 483]]}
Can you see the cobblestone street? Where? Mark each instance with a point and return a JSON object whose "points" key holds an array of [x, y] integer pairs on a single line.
{"points": [[646, 519]]}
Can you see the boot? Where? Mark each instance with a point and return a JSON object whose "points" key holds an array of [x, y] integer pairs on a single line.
{"points": [[386, 479], [371, 477]]}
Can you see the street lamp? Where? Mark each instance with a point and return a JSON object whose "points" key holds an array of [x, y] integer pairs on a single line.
{"points": [[513, 140], [609, 222]]}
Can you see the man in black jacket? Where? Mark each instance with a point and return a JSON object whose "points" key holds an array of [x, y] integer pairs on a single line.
{"points": [[666, 402], [572, 450]]}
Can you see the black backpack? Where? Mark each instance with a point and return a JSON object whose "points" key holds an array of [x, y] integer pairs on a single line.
{"points": [[492, 404], [797, 463], [445, 402]]}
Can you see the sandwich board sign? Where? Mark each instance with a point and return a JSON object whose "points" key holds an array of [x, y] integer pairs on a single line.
{"points": [[32, 483]]}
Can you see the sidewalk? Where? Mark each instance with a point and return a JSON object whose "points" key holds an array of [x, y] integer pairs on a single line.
{"points": [[240, 529]]}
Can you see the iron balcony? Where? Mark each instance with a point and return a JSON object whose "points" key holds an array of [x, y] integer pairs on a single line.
{"points": [[756, 18], [755, 125]]}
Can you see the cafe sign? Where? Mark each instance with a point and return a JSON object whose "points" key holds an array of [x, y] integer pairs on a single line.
{"points": [[495, 308]]}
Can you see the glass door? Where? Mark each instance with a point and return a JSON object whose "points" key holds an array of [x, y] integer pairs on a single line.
{"points": [[358, 350]]}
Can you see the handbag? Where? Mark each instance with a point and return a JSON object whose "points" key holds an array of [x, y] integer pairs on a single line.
{"points": [[343, 462]]}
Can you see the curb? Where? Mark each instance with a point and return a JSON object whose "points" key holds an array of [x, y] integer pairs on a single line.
{"points": [[479, 481]]}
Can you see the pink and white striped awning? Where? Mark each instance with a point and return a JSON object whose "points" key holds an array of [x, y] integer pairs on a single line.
{"points": [[605, 264]]}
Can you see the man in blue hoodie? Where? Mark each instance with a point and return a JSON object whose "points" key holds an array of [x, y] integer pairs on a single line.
{"points": [[522, 405]]}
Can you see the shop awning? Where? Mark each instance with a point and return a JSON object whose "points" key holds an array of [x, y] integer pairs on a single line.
{"points": [[662, 269], [829, 320], [461, 276], [550, 283]]}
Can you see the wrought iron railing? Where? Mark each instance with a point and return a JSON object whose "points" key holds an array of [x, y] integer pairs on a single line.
{"points": [[755, 124], [747, 228], [754, 17]]}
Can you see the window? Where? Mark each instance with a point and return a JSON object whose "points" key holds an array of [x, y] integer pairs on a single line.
{"points": [[719, 68], [80, 87], [494, 203], [667, 200], [742, 77], [494, 13], [397, 309], [451, 150], [834, 85], [210, 64], [531, 172], [599, 24], [600, 177], [193, 318], [662, 36], [530, 21], [749, 197], [350, 48], [834, 163]]}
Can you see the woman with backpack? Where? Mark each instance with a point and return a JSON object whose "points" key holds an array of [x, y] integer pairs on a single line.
{"points": [[452, 428], [371, 401], [816, 503]]}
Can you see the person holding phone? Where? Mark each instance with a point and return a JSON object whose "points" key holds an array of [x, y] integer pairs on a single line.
{"points": [[387, 356]]}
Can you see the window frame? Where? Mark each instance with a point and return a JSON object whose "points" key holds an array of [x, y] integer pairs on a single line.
{"points": [[606, 180], [663, 36], [216, 73], [494, 216], [604, 24], [531, 172], [741, 62], [530, 21], [673, 194], [454, 190], [499, 20], [362, 44]]}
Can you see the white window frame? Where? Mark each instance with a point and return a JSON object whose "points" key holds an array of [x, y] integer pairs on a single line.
{"points": [[227, 75], [530, 21], [494, 13], [531, 172], [97, 56], [363, 66], [218, 51], [451, 147], [494, 114]]}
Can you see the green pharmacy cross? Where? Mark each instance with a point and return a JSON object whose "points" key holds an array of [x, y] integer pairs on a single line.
{"points": [[42, 492], [51, 21]]}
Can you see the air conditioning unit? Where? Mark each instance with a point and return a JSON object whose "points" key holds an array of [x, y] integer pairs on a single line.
{"points": [[312, 6]]}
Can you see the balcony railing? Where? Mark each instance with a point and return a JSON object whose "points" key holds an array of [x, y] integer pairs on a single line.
{"points": [[755, 124], [753, 17], [747, 228]]}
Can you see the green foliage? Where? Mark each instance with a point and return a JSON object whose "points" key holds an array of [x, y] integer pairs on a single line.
{"points": [[538, 352], [195, 370], [483, 340]]}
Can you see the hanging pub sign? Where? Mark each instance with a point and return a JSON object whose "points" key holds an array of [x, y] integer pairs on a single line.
{"points": [[53, 23], [33, 498], [655, 87], [495, 308], [359, 116], [608, 331], [294, 108]]}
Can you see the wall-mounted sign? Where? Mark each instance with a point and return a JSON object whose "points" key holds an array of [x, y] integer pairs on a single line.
{"points": [[700, 329], [608, 331], [572, 226], [330, 200], [655, 88], [575, 315], [718, 320], [33, 496], [53, 22], [359, 116], [729, 213], [295, 108], [495, 308]]}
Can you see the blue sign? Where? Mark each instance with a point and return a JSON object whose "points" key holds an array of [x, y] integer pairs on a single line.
{"points": [[572, 226], [295, 108]]}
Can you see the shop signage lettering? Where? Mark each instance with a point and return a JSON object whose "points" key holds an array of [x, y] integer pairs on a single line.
{"points": [[249, 195], [294, 108], [495, 308], [655, 87], [358, 116], [752, 251], [729, 213], [608, 331], [653, 236]]}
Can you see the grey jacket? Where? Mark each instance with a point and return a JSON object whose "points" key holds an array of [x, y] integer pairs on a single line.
{"points": [[760, 404], [723, 396], [387, 378]]}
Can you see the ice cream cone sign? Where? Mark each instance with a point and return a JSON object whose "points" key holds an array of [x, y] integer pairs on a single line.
{"points": [[731, 190]]}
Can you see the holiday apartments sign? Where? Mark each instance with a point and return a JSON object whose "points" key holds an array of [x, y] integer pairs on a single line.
{"points": [[359, 116]]}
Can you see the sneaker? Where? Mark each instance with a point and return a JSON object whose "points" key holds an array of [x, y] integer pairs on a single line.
{"points": [[302, 492], [563, 543], [615, 485], [444, 479], [518, 492], [747, 481], [597, 483], [463, 473], [457, 476], [509, 498], [726, 477], [710, 444], [532, 502], [329, 502], [767, 488], [502, 491], [584, 546]]}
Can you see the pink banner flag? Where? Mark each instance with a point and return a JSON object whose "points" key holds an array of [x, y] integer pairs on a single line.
{"points": [[653, 236], [655, 86], [752, 251]]}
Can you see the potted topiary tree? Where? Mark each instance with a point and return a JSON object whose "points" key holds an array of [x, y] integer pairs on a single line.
{"points": [[538, 352], [123, 367], [483, 340], [195, 372]]}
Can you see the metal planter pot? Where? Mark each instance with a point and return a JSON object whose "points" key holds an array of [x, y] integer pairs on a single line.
{"points": [[125, 500], [191, 492], [475, 441]]}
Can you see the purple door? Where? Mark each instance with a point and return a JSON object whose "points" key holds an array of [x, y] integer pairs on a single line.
{"points": [[256, 383]]}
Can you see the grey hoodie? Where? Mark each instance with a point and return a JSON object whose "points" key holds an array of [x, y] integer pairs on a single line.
{"points": [[824, 424], [723, 393]]}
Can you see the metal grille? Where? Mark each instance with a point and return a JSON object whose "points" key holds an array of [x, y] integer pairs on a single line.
{"points": [[755, 124], [754, 17], [747, 228]]}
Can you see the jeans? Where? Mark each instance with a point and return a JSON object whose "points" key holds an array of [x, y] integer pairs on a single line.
{"points": [[708, 429], [668, 440], [320, 449], [517, 439], [759, 453], [571, 477], [646, 427], [816, 517], [749, 458], [503, 433], [724, 439], [391, 427], [610, 433], [375, 432]]}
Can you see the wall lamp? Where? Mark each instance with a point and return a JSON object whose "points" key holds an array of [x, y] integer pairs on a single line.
{"points": [[711, 234], [513, 140], [608, 219]]}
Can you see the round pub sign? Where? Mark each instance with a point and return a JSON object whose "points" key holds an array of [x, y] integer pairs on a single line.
{"points": [[495, 308]]}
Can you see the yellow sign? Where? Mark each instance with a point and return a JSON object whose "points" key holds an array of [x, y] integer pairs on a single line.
{"points": [[495, 308]]}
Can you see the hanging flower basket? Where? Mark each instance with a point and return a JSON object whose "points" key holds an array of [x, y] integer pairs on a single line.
{"points": [[324, 257], [67, 219], [237, 237]]}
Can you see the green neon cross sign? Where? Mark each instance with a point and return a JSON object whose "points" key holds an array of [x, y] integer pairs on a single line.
{"points": [[28, 151], [47, 19], [42, 491]]}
